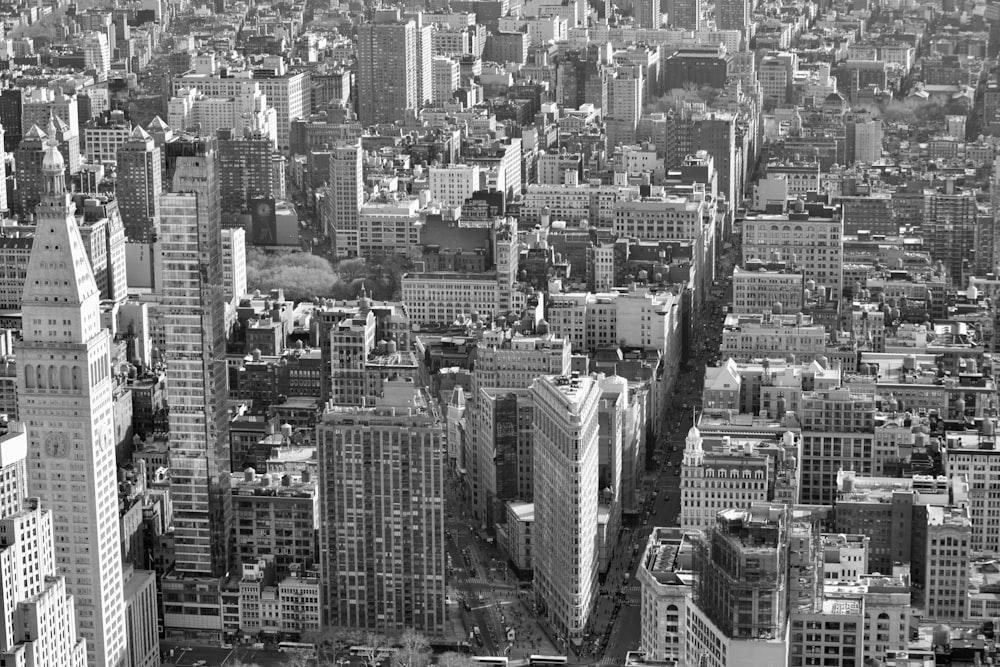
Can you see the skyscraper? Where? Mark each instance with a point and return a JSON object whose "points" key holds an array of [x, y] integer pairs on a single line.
{"points": [[566, 463], [684, 14], [139, 186], [194, 320], [647, 13], [347, 194], [389, 68], [382, 479], [65, 388], [732, 14]]}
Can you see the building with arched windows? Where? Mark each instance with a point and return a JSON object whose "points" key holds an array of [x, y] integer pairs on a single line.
{"points": [[734, 473], [665, 575]]}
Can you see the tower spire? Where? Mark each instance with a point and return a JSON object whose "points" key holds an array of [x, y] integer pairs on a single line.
{"points": [[53, 165]]}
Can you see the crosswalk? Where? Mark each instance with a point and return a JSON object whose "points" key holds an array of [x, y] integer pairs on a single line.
{"points": [[611, 660], [634, 588]]}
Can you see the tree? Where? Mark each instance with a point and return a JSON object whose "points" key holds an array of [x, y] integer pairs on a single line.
{"points": [[453, 659], [331, 642], [676, 97], [375, 646], [414, 650], [350, 269], [301, 275]]}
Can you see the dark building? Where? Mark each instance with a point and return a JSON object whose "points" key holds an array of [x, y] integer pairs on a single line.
{"points": [[245, 172], [698, 66], [10, 118]]}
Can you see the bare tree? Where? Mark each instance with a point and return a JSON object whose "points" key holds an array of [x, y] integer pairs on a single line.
{"points": [[454, 659], [331, 642], [375, 647], [414, 650]]}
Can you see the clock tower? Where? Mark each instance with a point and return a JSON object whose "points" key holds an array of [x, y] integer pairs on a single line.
{"points": [[64, 392]]}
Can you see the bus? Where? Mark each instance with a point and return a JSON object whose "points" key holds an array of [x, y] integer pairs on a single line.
{"points": [[381, 653], [491, 661], [297, 647], [539, 660]]}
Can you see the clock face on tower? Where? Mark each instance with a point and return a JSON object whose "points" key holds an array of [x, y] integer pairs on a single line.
{"points": [[263, 209], [56, 444]]}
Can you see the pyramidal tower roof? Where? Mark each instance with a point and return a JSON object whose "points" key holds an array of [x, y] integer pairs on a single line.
{"points": [[157, 125], [139, 134], [59, 272], [35, 132]]}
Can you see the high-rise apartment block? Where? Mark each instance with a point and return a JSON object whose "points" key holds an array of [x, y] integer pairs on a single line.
{"points": [[566, 464], [194, 323], [139, 185], [391, 66], [732, 15], [65, 398], [382, 471], [245, 171]]}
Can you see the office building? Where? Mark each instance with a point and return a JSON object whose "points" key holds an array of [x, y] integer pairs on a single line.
{"points": [[452, 184], [738, 613], [758, 287], [811, 239], [277, 516], [245, 171], [346, 193], [946, 555], [684, 14], [975, 455], [666, 576], [734, 473], [139, 186], [65, 390], [38, 104], [391, 66], [28, 160], [566, 464], [648, 13], [499, 464], [382, 542], [708, 65]]}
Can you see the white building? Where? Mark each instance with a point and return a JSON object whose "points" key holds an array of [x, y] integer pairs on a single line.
{"points": [[813, 243], [247, 109], [289, 94], [64, 381], [234, 263], [566, 500], [347, 195], [97, 54], [452, 184]]}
